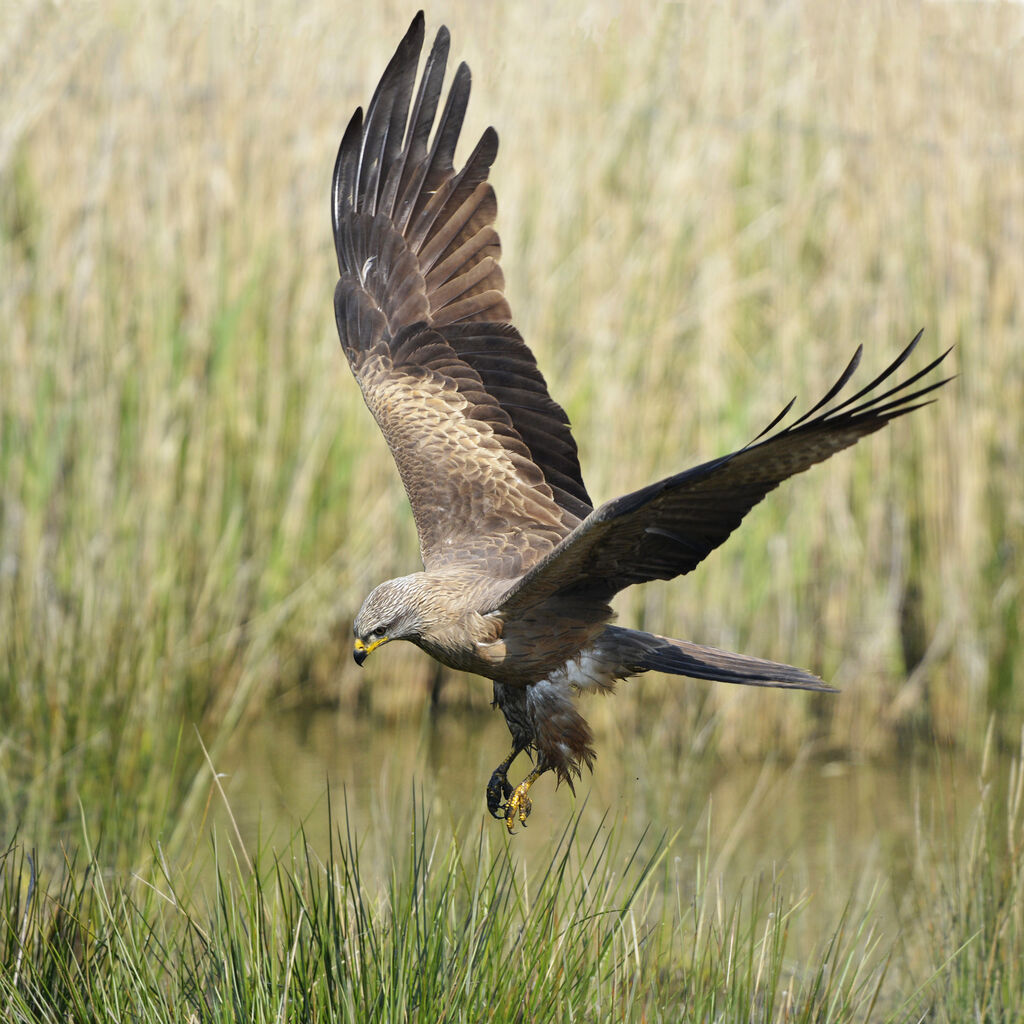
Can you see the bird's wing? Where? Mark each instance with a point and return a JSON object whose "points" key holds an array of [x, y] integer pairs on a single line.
{"points": [[486, 456], [668, 528]]}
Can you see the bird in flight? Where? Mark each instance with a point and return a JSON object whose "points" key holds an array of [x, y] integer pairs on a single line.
{"points": [[519, 567]]}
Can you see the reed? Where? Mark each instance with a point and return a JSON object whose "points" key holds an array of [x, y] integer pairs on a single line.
{"points": [[703, 210]]}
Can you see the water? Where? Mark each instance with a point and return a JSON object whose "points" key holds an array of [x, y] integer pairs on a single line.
{"points": [[834, 831]]}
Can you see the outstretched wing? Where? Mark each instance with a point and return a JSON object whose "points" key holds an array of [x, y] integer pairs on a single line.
{"points": [[486, 456], [668, 528]]}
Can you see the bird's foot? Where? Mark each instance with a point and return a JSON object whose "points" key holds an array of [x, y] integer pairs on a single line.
{"points": [[519, 804], [499, 789]]}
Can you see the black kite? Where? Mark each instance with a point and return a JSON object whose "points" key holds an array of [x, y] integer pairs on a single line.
{"points": [[519, 565]]}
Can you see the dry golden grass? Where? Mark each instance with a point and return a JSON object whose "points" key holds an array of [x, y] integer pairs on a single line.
{"points": [[704, 209]]}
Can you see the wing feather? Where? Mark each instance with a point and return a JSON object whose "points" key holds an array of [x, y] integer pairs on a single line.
{"points": [[486, 456], [670, 527]]}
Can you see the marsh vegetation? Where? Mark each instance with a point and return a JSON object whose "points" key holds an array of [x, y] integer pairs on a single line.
{"points": [[703, 211]]}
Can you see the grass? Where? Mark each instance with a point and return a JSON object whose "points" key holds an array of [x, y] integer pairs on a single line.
{"points": [[457, 926]]}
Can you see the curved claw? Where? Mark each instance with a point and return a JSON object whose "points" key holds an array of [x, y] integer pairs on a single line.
{"points": [[519, 804], [499, 789]]}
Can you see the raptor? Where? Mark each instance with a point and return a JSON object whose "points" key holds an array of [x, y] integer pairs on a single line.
{"points": [[519, 567]]}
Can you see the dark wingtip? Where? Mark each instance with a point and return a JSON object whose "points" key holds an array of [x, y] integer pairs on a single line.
{"points": [[416, 26], [489, 141], [774, 423], [353, 132]]}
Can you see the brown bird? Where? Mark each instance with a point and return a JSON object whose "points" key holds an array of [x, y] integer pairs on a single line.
{"points": [[519, 567]]}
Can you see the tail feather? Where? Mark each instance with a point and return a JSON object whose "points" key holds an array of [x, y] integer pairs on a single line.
{"points": [[683, 658]]}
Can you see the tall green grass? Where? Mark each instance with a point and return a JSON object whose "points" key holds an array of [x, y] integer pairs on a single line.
{"points": [[455, 925], [703, 210]]}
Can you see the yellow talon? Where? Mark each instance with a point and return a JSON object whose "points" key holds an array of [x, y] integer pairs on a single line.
{"points": [[519, 804]]}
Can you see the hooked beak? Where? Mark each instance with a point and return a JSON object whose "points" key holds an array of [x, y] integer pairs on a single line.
{"points": [[361, 651]]}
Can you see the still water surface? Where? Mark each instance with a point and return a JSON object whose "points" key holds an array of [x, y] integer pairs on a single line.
{"points": [[833, 830]]}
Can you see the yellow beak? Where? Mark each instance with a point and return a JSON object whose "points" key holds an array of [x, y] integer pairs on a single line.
{"points": [[361, 651]]}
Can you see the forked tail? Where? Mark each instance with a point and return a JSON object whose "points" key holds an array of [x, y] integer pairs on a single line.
{"points": [[649, 652]]}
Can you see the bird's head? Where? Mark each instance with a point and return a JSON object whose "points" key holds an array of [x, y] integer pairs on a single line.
{"points": [[390, 612]]}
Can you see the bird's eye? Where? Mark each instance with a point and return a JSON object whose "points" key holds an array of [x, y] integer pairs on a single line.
{"points": [[377, 633]]}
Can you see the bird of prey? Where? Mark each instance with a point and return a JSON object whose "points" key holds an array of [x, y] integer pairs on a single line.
{"points": [[518, 565]]}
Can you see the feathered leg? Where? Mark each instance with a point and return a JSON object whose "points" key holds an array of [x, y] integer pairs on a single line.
{"points": [[512, 701], [542, 717]]}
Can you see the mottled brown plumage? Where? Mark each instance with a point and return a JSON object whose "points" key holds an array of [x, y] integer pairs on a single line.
{"points": [[519, 567]]}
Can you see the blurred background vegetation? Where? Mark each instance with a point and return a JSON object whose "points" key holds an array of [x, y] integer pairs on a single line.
{"points": [[704, 209]]}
